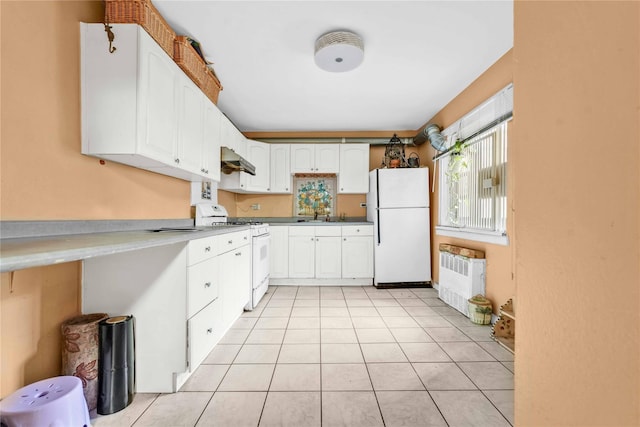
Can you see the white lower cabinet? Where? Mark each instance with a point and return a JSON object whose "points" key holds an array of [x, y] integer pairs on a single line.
{"points": [[279, 252], [302, 252], [183, 296], [328, 249], [235, 281], [322, 252], [357, 252], [204, 330]]}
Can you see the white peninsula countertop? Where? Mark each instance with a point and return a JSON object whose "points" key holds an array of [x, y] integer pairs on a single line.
{"points": [[27, 244]]}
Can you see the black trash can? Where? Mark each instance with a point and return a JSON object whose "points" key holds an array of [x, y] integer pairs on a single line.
{"points": [[116, 375]]}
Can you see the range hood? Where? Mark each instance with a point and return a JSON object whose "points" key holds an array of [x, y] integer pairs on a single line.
{"points": [[232, 162]]}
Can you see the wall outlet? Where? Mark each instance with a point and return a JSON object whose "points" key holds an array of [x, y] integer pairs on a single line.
{"points": [[255, 207]]}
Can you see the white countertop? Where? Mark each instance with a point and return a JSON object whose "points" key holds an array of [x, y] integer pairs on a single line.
{"points": [[27, 252]]}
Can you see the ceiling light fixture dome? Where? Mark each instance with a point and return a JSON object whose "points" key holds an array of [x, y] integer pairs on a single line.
{"points": [[339, 51]]}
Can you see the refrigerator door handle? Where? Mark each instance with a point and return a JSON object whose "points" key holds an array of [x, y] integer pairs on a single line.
{"points": [[378, 222]]}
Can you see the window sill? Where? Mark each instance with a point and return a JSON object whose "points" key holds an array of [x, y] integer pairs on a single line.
{"points": [[478, 236]]}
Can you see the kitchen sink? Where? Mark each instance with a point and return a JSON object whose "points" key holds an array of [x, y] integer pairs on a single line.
{"points": [[174, 229]]}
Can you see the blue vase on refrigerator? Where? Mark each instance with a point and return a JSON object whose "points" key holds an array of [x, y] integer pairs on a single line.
{"points": [[398, 205]]}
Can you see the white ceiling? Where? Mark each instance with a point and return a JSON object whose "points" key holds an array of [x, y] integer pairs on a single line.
{"points": [[418, 56]]}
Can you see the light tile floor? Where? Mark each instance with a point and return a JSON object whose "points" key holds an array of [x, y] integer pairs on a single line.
{"points": [[341, 356]]}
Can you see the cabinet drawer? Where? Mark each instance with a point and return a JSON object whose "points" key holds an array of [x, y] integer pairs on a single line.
{"points": [[230, 241], [302, 230], [201, 249], [204, 329], [357, 230], [203, 285], [328, 230]]}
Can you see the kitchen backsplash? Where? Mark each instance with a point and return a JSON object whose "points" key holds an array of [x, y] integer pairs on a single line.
{"points": [[281, 205]]}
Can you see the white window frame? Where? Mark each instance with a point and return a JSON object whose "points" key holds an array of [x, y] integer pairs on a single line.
{"points": [[468, 129]]}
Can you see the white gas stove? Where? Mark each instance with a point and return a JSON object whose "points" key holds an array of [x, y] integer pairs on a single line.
{"points": [[209, 214]]}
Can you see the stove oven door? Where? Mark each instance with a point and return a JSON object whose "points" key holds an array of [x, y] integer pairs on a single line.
{"points": [[260, 269]]}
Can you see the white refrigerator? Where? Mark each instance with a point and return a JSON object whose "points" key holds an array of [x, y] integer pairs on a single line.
{"points": [[398, 205]]}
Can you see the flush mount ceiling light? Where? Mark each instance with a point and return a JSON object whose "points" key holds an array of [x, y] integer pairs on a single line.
{"points": [[339, 51]]}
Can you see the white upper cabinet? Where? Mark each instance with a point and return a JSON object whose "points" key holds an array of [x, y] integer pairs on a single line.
{"points": [[211, 147], [280, 169], [354, 169], [327, 158], [258, 154], [190, 127], [315, 158], [232, 138], [104, 109], [139, 108]]}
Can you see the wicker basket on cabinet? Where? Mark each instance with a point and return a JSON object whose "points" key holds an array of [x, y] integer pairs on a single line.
{"points": [[194, 66], [143, 13]]}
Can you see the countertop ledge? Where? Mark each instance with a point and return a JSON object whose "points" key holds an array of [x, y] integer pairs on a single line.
{"points": [[18, 253], [28, 244], [276, 221]]}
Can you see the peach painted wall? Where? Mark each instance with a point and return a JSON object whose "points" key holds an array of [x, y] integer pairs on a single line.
{"points": [[577, 200], [500, 285], [34, 304], [43, 176]]}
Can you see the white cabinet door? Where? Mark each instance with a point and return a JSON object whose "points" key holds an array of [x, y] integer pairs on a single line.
{"points": [[231, 137], [302, 253], [158, 97], [204, 330], [280, 169], [357, 257], [328, 257], [258, 154], [211, 144], [190, 127], [235, 279], [279, 252], [327, 158], [303, 158], [353, 177]]}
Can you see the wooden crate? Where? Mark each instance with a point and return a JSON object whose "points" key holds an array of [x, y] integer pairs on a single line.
{"points": [[194, 66], [459, 250]]}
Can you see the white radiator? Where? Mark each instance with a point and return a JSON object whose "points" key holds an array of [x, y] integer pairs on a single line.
{"points": [[460, 279]]}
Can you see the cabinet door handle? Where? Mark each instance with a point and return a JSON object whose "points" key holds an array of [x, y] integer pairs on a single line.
{"points": [[312, 239], [286, 189], [177, 161], [207, 249], [238, 253], [207, 285], [345, 239], [245, 237], [210, 330], [230, 242]]}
